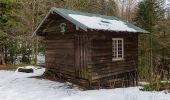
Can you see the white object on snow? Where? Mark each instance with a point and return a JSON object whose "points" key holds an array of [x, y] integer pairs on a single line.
{"points": [[168, 81], [37, 71], [143, 83], [93, 22]]}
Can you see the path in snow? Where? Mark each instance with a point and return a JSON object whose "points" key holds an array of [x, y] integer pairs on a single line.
{"points": [[40, 89]]}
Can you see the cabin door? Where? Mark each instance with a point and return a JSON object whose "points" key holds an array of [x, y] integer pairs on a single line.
{"points": [[81, 56]]}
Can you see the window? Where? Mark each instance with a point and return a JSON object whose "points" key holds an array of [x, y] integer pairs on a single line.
{"points": [[117, 49]]}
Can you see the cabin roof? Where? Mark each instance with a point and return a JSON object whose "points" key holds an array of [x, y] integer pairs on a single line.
{"points": [[89, 21]]}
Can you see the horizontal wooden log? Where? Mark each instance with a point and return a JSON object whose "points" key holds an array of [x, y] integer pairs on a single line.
{"points": [[97, 77]]}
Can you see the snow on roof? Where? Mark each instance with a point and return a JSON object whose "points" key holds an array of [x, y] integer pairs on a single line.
{"points": [[99, 23]]}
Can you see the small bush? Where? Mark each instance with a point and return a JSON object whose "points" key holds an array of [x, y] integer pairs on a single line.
{"points": [[159, 86]]}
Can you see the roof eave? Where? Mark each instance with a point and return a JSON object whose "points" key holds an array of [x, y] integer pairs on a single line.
{"points": [[35, 32], [139, 32]]}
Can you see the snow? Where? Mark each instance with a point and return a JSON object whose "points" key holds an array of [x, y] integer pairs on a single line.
{"points": [[24, 88], [37, 71], [40, 58], [166, 81], [143, 83], [99, 23]]}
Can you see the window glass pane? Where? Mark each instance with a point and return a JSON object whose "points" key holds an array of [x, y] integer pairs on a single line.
{"points": [[120, 48], [120, 53], [119, 56], [120, 41], [120, 45]]}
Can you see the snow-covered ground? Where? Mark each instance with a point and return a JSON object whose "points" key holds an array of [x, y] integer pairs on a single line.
{"points": [[24, 88]]}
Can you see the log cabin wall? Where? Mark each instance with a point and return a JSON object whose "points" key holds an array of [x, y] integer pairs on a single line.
{"points": [[60, 55], [102, 65], [68, 58], [66, 53], [59, 48]]}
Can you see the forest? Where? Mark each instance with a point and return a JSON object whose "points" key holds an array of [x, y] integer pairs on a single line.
{"points": [[20, 18]]}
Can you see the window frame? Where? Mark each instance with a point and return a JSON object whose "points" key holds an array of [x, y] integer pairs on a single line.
{"points": [[117, 51]]}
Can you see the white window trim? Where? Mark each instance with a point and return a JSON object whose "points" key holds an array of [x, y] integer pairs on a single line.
{"points": [[122, 58]]}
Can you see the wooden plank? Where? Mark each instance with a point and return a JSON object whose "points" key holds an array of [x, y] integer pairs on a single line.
{"points": [[82, 56]]}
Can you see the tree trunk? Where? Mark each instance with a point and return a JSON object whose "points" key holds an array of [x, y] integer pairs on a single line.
{"points": [[2, 60]]}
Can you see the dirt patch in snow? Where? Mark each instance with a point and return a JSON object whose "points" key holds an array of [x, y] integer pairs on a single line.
{"points": [[4, 67]]}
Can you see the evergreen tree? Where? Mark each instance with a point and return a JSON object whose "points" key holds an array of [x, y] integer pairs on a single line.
{"points": [[149, 15], [7, 21]]}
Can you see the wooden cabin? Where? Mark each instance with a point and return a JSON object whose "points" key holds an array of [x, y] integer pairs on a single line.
{"points": [[90, 50]]}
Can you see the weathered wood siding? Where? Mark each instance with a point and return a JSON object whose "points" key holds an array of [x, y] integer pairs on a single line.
{"points": [[66, 53], [102, 65], [60, 54], [81, 56], [89, 56]]}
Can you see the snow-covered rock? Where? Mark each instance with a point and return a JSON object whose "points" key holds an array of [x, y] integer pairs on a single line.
{"points": [[37, 71]]}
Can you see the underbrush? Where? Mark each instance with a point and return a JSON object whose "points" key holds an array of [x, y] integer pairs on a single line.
{"points": [[12, 66], [20, 65], [158, 86]]}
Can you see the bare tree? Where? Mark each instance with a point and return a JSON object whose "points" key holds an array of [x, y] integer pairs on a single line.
{"points": [[126, 8]]}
